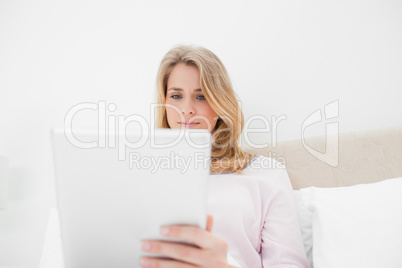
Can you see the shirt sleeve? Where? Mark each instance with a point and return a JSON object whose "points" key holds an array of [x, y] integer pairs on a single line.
{"points": [[281, 240]]}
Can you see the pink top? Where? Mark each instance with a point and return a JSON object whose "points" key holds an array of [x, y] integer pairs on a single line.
{"points": [[255, 213]]}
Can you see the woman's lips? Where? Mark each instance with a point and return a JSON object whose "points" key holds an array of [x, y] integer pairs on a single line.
{"points": [[189, 124]]}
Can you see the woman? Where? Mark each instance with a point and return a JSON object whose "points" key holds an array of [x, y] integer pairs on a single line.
{"points": [[252, 205]]}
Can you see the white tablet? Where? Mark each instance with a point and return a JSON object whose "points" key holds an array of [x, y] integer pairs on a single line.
{"points": [[115, 190]]}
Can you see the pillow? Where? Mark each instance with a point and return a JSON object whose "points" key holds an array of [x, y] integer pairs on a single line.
{"points": [[356, 226], [306, 224]]}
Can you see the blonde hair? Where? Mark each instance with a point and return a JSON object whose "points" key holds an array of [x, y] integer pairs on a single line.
{"points": [[219, 93]]}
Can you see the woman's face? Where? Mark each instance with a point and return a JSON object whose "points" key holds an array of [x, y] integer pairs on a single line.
{"points": [[189, 107]]}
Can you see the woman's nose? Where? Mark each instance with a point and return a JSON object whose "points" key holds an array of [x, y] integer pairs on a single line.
{"points": [[188, 107]]}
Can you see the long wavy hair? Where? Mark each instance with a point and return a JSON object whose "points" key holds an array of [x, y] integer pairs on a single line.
{"points": [[226, 155]]}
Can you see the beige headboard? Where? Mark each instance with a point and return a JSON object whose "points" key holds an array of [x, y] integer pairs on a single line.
{"points": [[363, 157]]}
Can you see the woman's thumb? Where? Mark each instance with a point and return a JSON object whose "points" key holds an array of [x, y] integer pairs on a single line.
{"points": [[210, 221]]}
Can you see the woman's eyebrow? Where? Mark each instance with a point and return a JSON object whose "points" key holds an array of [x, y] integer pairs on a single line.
{"points": [[180, 89]]}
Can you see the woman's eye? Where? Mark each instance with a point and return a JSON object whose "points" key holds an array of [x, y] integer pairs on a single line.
{"points": [[202, 97], [174, 97]]}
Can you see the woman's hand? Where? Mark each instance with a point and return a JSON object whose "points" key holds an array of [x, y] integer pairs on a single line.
{"points": [[209, 251]]}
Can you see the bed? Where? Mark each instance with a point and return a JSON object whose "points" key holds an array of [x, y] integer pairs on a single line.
{"points": [[349, 197]]}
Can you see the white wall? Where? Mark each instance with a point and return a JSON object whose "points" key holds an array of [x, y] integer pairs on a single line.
{"points": [[285, 58]]}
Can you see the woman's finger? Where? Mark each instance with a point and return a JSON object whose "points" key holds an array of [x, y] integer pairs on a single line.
{"points": [[210, 221], [163, 263], [174, 250], [191, 234]]}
